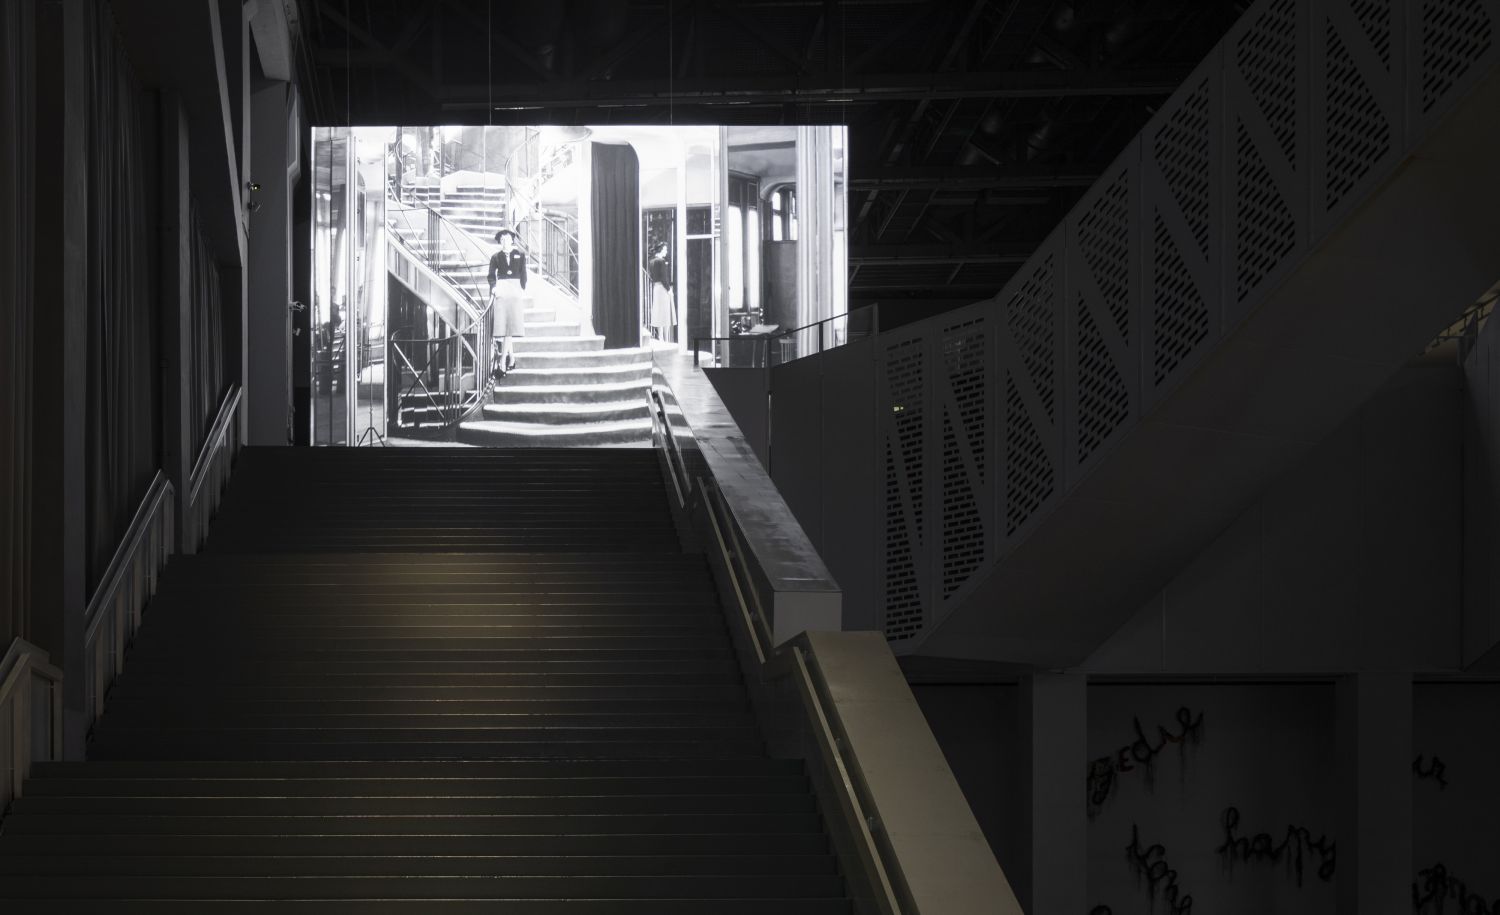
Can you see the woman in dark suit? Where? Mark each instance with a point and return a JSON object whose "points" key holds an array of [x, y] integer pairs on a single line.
{"points": [[507, 288]]}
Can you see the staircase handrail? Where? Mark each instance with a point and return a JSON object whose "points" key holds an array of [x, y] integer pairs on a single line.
{"points": [[791, 333], [211, 468], [433, 259], [525, 205], [814, 688], [113, 613], [443, 409], [20, 668]]}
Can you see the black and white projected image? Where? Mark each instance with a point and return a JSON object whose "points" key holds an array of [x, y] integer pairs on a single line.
{"points": [[510, 285]]}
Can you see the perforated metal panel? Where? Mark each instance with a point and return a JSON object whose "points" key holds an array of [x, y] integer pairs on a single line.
{"points": [[1181, 147], [1265, 230], [1030, 476], [1101, 282], [1030, 358], [1265, 143], [906, 379], [1266, 57], [1288, 126], [1181, 186], [1031, 316], [1103, 397], [1179, 315], [1358, 130], [1103, 237], [965, 541], [1455, 35], [1374, 19]]}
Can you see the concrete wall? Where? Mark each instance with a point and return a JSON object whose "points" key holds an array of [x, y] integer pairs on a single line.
{"points": [[744, 394], [978, 727], [819, 445], [276, 134], [1248, 758], [1481, 573], [1305, 671], [1455, 792], [1350, 561]]}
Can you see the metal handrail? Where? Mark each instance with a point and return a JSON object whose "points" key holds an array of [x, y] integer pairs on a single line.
{"points": [[418, 376], [21, 666], [699, 496], [764, 341], [518, 191], [217, 435], [433, 257], [792, 660], [661, 423], [114, 610]]}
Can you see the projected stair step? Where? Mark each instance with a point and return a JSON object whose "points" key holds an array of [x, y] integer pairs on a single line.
{"points": [[425, 681]]}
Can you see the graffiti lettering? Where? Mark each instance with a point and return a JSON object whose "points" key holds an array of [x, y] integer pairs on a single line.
{"points": [[1435, 770], [1104, 772], [1297, 843], [1435, 886], [1151, 863]]}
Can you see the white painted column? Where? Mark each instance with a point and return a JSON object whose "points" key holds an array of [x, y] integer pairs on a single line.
{"points": [[1054, 707], [814, 224]]}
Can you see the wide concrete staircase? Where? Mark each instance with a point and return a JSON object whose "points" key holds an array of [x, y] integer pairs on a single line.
{"points": [[428, 680], [566, 389]]}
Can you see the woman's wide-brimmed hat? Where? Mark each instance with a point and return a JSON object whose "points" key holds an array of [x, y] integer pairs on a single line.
{"points": [[511, 232]]}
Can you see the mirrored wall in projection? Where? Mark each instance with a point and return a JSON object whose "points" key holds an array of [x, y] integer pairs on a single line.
{"points": [[509, 285]]}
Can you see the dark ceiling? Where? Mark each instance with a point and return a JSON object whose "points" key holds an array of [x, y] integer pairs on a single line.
{"points": [[974, 124]]}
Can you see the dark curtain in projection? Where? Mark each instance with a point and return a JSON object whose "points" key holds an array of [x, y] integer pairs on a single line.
{"points": [[207, 311], [122, 425], [17, 200], [615, 208]]}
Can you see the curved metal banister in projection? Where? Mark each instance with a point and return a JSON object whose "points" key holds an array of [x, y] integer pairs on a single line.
{"points": [[1297, 220]]}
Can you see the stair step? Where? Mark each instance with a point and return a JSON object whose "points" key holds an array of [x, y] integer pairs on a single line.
{"points": [[553, 329], [385, 825], [561, 414], [495, 688], [431, 680], [221, 747], [759, 886], [284, 865], [372, 906], [365, 906], [663, 766], [518, 434], [638, 374], [535, 343], [461, 788], [541, 389], [574, 360], [335, 806]]}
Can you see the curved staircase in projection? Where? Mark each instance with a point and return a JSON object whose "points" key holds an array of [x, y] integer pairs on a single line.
{"points": [[566, 389]]}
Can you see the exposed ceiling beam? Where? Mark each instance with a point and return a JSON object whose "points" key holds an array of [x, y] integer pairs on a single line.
{"points": [[501, 40], [753, 28], [375, 52], [953, 177], [781, 88]]}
